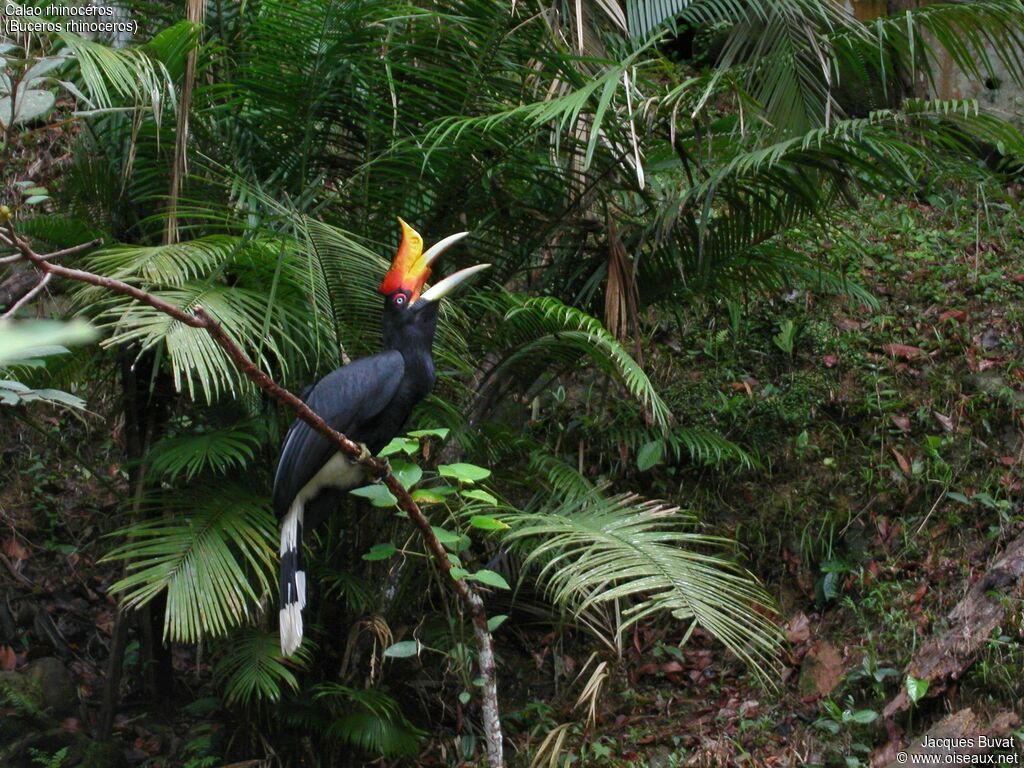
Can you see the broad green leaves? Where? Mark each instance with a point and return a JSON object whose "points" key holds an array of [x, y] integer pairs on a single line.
{"points": [[916, 688], [402, 650], [650, 454], [380, 552], [378, 495], [464, 473], [24, 346], [39, 338]]}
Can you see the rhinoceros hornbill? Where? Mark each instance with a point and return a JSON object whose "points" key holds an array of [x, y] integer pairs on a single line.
{"points": [[367, 400]]}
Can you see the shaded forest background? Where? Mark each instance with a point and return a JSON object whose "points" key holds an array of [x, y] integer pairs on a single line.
{"points": [[730, 436]]}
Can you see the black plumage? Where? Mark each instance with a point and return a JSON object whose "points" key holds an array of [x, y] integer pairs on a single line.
{"points": [[369, 401]]}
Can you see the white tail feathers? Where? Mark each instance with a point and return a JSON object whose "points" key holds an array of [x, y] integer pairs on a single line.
{"points": [[293, 580], [291, 628]]}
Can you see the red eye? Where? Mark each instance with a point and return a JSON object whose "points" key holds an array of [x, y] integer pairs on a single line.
{"points": [[399, 299]]}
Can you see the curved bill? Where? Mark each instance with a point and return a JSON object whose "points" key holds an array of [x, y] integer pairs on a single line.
{"points": [[440, 247], [446, 286]]}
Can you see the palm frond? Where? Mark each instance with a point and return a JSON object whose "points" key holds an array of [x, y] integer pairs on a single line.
{"points": [[226, 275], [216, 450], [535, 332], [111, 77], [252, 668], [370, 720], [595, 550], [565, 480], [168, 265], [213, 553]]}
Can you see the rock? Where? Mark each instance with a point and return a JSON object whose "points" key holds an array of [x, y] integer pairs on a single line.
{"points": [[52, 686], [820, 671], [991, 339], [799, 629]]}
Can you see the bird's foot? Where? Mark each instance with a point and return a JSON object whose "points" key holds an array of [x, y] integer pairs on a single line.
{"points": [[365, 454]]}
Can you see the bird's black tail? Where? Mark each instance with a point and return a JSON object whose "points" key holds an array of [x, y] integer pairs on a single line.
{"points": [[293, 580]]}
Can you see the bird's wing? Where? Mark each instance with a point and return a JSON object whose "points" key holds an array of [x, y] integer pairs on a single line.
{"points": [[346, 398]]}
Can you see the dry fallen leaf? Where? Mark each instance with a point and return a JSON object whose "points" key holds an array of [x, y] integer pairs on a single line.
{"points": [[14, 550], [8, 659], [945, 421], [919, 593], [904, 351], [845, 324], [903, 422], [902, 461], [953, 314]]}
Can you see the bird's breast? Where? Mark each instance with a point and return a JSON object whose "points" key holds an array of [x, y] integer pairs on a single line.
{"points": [[338, 472]]}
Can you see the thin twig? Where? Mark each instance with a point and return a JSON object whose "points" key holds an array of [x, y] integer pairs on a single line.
{"points": [[376, 468], [18, 575], [74, 249], [27, 297]]}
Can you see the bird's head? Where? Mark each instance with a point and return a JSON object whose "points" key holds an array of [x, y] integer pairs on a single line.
{"points": [[405, 302]]}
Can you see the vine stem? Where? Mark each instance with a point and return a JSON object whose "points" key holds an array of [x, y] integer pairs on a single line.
{"points": [[375, 468]]}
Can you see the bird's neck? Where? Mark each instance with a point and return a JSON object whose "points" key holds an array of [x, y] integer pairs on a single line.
{"points": [[419, 362]]}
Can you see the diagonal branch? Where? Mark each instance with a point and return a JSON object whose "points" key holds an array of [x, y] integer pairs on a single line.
{"points": [[376, 468], [31, 294]]}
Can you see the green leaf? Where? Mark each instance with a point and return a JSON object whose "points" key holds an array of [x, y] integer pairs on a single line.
{"points": [[216, 450], [496, 621], [427, 496], [464, 697], [400, 445], [479, 495], [36, 199], [464, 473], [445, 536], [252, 667], [24, 340], [486, 523], [403, 649], [439, 432], [490, 578], [916, 688], [864, 716], [60, 398], [408, 474], [366, 719], [594, 552], [378, 494], [380, 552], [32, 104], [650, 454]]}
